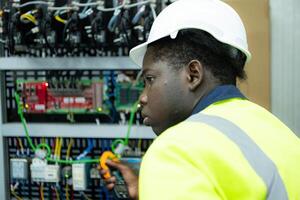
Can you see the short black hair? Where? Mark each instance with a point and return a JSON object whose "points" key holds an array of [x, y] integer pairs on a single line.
{"points": [[226, 63]]}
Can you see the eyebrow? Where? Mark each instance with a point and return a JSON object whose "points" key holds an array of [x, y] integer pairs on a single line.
{"points": [[144, 71]]}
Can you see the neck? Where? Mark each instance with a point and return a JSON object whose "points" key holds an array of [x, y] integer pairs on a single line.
{"points": [[205, 88]]}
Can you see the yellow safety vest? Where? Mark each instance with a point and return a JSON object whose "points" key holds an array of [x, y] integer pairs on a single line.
{"points": [[233, 149]]}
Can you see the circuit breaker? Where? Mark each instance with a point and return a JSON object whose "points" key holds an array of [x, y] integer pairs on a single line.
{"points": [[79, 174], [19, 168]]}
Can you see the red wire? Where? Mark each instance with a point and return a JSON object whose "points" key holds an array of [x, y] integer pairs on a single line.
{"points": [[53, 191], [53, 145], [72, 194]]}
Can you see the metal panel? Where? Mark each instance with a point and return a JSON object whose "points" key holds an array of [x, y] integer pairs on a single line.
{"points": [[285, 19], [72, 63], [83, 130], [2, 167]]}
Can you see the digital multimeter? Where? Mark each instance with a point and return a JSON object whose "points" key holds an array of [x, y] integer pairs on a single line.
{"points": [[120, 190]]}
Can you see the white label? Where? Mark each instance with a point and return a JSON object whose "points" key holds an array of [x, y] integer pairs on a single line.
{"points": [[68, 100], [35, 30], [79, 100], [39, 107], [52, 173], [19, 168], [79, 176]]}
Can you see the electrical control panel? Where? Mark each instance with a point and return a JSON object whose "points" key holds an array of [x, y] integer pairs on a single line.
{"points": [[76, 96], [31, 176], [61, 97]]}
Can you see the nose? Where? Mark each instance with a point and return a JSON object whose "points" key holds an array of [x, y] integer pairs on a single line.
{"points": [[143, 98]]}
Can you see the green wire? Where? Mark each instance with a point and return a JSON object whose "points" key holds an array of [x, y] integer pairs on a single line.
{"points": [[48, 158], [132, 113], [46, 146], [125, 141], [20, 112], [73, 161]]}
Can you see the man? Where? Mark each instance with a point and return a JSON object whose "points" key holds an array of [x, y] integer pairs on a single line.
{"points": [[213, 143]]}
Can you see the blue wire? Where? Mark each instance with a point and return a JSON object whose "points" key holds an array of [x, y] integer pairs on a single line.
{"points": [[87, 150], [86, 7], [106, 193], [137, 16], [112, 24]]}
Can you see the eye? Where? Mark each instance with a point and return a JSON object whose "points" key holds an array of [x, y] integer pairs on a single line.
{"points": [[148, 79]]}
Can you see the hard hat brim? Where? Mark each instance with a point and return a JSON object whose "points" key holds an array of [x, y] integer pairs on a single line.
{"points": [[137, 53]]}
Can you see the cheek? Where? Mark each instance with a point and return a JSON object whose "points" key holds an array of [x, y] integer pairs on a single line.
{"points": [[163, 97], [174, 95], [170, 89], [155, 95], [157, 99]]}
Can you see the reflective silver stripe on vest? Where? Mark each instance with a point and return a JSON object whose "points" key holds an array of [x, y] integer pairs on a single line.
{"points": [[259, 161]]}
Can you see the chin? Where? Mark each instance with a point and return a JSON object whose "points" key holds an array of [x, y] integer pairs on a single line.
{"points": [[157, 130]]}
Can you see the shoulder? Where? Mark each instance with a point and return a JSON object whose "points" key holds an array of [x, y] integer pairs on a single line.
{"points": [[188, 140], [197, 144]]}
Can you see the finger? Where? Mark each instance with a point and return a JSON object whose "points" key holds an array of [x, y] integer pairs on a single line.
{"points": [[110, 186], [113, 164], [121, 167], [103, 171], [110, 180]]}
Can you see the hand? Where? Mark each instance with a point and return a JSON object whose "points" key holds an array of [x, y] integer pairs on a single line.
{"points": [[130, 178]]}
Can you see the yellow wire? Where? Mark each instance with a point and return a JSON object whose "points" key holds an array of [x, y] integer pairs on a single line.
{"points": [[29, 17], [43, 141], [140, 144], [69, 148], [67, 191], [67, 157], [15, 195], [57, 195], [57, 150], [21, 144], [58, 18], [42, 191], [56, 146]]}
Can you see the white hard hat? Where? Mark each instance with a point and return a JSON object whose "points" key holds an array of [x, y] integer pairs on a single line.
{"points": [[212, 16]]}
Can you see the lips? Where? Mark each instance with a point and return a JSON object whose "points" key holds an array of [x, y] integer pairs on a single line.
{"points": [[146, 119]]}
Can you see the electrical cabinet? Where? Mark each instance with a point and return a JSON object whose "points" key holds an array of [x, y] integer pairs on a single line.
{"points": [[67, 61]]}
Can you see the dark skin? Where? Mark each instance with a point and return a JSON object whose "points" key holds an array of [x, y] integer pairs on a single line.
{"points": [[169, 97]]}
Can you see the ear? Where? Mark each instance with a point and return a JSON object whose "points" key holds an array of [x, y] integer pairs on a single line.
{"points": [[195, 74]]}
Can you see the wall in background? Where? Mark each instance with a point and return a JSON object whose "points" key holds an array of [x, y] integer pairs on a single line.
{"points": [[285, 61], [257, 85]]}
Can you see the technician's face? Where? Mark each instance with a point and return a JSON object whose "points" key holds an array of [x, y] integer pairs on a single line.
{"points": [[161, 98]]}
